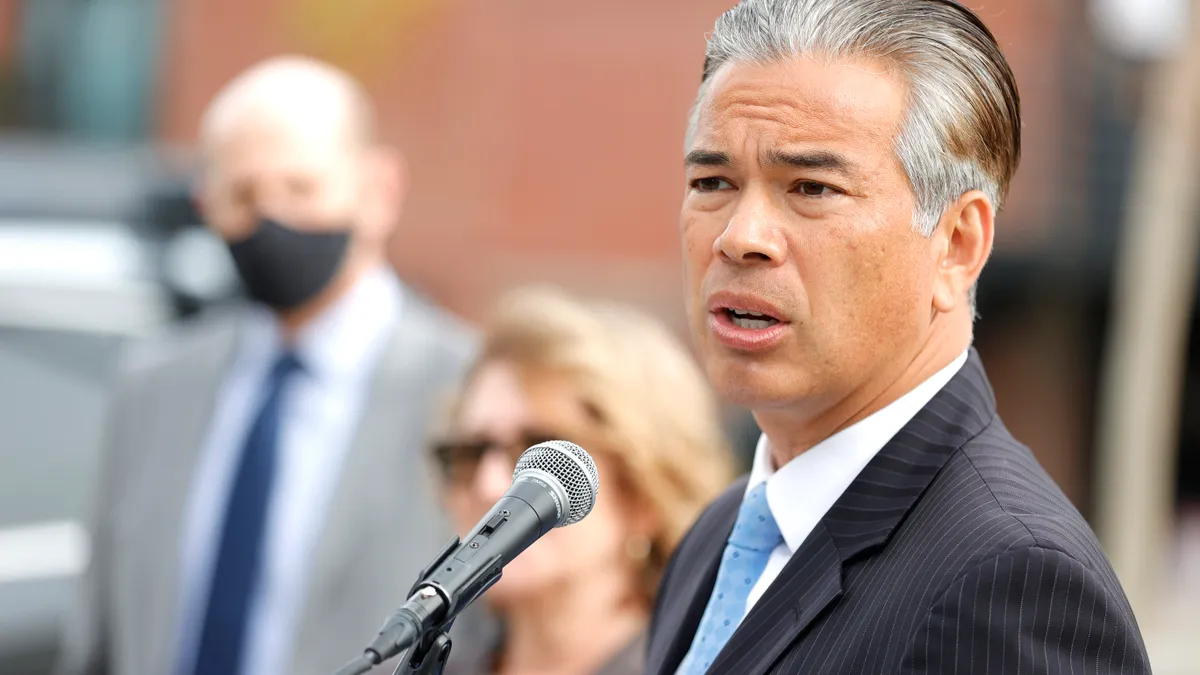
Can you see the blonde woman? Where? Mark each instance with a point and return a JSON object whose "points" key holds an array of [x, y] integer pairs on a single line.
{"points": [[616, 382]]}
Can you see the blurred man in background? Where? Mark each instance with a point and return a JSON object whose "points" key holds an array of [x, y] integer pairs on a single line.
{"points": [[263, 504]]}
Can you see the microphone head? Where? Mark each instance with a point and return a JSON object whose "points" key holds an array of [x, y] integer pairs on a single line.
{"points": [[572, 467]]}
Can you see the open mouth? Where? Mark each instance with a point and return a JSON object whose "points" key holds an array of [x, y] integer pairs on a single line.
{"points": [[749, 320]]}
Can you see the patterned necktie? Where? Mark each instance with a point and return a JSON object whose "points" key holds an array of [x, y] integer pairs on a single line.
{"points": [[754, 536], [239, 558]]}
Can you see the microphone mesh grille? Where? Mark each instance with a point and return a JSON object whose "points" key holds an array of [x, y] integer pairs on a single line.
{"points": [[573, 467]]}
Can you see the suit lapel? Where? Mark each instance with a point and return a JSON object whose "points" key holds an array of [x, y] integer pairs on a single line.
{"points": [[682, 609], [368, 475], [811, 580], [860, 522], [179, 413], [382, 510]]}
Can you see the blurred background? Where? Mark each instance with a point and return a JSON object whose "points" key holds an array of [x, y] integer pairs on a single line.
{"points": [[544, 143]]}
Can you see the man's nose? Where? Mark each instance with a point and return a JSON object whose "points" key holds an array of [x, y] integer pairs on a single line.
{"points": [[752, 235], [272, 201]]}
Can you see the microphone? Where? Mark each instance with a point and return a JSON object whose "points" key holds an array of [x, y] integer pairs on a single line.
{"points": [[554, 484]]}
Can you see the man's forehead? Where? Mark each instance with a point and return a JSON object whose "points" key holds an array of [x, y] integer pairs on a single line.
{"points": [[801, 100], [252, 124], [278, 148], [261, 159]]}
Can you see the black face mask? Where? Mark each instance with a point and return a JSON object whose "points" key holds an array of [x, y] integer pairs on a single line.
{"points": [[284, 268]]}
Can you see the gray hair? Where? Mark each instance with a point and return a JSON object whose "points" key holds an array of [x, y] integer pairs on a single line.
{"points": [[963, 125]]}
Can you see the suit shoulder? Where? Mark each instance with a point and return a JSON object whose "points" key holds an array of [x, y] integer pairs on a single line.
{"points": [[440, 328], [990, 510], [1023, 494], [178, 343], [1039, 595], [990, 498]]}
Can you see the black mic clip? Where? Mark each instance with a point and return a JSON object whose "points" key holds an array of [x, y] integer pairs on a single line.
{"points": [[428, 656]]}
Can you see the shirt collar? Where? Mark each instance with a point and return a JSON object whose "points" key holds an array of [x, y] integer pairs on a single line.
{"points": [[802, 491], [341, 341]]}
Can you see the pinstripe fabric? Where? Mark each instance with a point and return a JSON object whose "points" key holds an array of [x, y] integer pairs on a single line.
{"points": [[952, 552]]}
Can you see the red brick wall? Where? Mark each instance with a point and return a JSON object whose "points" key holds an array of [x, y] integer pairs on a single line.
{"points": [[545, 139], [8, 30], [545, 136], [1033, 34]]}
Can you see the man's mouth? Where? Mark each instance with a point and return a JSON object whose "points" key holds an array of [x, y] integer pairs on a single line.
{"points": [[749, 320]]}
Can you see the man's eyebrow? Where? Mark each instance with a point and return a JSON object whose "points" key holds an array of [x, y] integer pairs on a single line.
{"points": [[822, 159], [707, 158]]}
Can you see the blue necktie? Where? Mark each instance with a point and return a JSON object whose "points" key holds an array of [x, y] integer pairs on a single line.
{"points": [[755, 534], [239, 558]]}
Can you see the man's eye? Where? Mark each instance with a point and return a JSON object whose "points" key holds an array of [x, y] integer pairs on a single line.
{"points": [[299, 186], [242, 194], [810, 188], [710, 184]]}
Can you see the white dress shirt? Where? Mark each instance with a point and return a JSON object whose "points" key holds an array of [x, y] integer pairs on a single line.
{"points": [[320, 413], [802, 491]]}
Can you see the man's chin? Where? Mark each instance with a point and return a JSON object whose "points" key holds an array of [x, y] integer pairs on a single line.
{"points": [[756, 385]]}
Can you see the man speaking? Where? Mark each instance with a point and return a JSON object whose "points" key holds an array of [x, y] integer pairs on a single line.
{"points": [[845, 163]]}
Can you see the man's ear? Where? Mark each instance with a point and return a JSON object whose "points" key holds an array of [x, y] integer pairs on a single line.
{"points": [[966, 230], [388, 173]]}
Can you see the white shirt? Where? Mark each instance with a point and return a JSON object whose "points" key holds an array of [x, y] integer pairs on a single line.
{"points": [[801, 492], [320, 413]]}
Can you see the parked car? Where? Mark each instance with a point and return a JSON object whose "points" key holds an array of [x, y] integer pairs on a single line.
{"points": [[98, 247]]}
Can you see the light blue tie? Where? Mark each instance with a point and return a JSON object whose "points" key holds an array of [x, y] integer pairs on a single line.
{"points": [[754, 536]]}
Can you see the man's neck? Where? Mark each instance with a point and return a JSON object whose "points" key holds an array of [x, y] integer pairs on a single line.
{"points": [[793, 430], [293, 321]]}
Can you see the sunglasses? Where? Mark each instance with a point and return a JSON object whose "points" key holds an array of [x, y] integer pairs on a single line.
{"points": [[458, 459]]}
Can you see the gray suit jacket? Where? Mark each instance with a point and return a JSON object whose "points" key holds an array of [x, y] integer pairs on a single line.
{"points": [[383, 525]]}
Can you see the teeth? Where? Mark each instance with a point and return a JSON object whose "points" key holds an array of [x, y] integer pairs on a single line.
{"points": [[742, 312], [753, 324]]}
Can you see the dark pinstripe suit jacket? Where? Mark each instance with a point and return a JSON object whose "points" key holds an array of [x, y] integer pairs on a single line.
{"points": [[952, 552]]}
